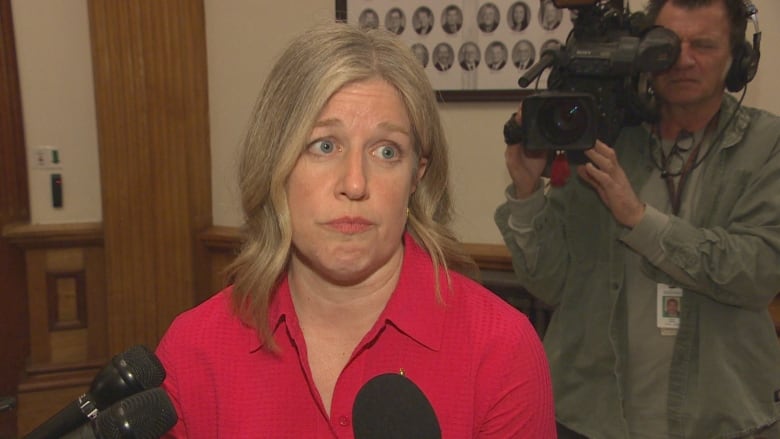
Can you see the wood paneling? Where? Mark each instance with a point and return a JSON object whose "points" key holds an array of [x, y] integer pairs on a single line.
{"points": [[67, 315], [54, 253], [14, 206], [149, 62]]}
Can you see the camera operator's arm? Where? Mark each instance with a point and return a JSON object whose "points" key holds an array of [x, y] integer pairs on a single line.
{"points": [[607, 177], [732, 250], [537, 262]]}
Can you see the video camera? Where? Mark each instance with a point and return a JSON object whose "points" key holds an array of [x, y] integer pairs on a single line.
{"points": [[599, 79]]}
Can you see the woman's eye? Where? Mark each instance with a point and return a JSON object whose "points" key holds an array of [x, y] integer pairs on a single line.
{"points": [[322, 147], [387, 152]]}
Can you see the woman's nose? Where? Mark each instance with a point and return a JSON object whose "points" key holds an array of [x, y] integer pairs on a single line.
{"points": [[353, 181]]}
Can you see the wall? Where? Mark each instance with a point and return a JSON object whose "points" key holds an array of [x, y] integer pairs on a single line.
{"points": [[243, 37], [58, 103]]}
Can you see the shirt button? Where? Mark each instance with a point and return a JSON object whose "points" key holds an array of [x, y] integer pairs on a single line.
{"points": [[343, 421]]}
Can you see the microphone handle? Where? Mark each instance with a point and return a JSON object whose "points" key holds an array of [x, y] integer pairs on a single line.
{"points": [[67, 419], [86, 431], [548, 58]]}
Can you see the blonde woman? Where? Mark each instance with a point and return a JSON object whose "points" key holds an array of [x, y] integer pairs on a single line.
{"points": [[349, 269]]}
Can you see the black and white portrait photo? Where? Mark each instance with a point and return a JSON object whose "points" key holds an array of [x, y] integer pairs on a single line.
{"points": [[443, 57], [421, 52], [517, 18], [496, 55], [451, 19], [549, 15], [395, 21], [468, 56], [422, 20], [523, 54], [488, 17], [369, 18]]}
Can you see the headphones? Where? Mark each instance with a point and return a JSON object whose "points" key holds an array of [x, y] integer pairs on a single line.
{"points": [[744, 64]]}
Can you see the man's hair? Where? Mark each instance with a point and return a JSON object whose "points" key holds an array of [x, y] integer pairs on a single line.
{"points": [[735, 11], [315, 66]]}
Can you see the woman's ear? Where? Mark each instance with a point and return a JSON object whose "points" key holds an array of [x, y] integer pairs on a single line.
{"points": [[422, 166]]}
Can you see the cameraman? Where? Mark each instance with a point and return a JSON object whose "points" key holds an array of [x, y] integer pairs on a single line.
{"points": [[689, 208]]}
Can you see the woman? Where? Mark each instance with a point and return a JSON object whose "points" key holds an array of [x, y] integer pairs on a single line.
{"points": [[349, 270]]}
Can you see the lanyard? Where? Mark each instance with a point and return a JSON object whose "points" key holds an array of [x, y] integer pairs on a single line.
{"points": [[675, 190]]}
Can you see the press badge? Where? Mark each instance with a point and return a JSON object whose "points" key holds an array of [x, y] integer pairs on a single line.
{"points": [[668, 309]]}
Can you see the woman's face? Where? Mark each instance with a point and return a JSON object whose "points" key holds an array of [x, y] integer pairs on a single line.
{"points": [[349, 190], [518, 14]]}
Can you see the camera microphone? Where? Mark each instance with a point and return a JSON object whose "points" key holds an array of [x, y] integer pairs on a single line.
{"points": [[390, 406], [130, 372], [549, 58]]}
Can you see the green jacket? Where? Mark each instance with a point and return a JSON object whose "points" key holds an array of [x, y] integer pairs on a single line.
{"points": [[725, 370]]}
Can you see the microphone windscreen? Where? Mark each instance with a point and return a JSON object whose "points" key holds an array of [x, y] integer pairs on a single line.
{"points": [[148, 414], [390, 406], [141, 363], [127, 373]]}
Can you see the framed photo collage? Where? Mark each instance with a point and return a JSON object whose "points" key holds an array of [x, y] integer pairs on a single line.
{"points": [[472, 50]]}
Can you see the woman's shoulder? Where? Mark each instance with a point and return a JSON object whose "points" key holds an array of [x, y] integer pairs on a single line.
{"points": [[207, 320], [475, 302]]}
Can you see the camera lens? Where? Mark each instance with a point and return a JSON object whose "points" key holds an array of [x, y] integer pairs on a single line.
{"points": [[563, 121]]}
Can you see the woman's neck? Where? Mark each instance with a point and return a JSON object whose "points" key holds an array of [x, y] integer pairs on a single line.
{"points": [[321, 302]]}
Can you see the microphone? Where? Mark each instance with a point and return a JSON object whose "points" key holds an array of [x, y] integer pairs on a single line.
{"points": [[390, 406], [130, 372], [145, 415]]}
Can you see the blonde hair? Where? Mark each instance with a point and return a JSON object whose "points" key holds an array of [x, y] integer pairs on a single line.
{"points": [[314, 66]]}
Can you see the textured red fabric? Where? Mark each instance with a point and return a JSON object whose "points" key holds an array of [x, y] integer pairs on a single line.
{"points": [[478, 360]]}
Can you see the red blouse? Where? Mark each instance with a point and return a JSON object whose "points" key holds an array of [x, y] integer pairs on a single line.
{"points": [[479, 362]]}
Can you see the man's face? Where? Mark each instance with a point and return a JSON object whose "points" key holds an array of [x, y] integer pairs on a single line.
{"points": [[394, 21], [419, 52], [452, 17], [423, 18], [372, 20], [496, 53], [489, 16], [698, 75], [524, 52], [470, 53], [444, 56]]}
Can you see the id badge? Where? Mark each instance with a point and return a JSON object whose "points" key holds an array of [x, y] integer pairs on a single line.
{"points": [[668, 309]]}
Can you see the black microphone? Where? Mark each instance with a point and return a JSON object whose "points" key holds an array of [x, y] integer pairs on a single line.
{"points": [[390, 406], [145, 415], [130, 372]]}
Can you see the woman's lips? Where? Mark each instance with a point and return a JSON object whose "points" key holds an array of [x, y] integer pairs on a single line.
{"points": [[350, 225]]}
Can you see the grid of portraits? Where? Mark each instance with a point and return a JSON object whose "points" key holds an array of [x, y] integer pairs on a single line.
{"points": [[470, 45]]}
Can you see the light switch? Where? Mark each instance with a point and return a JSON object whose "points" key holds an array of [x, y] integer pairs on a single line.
{"points": [[56, 191]]}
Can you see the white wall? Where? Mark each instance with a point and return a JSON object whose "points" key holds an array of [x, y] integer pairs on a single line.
{"points": [[243, 38], [58, 106]]}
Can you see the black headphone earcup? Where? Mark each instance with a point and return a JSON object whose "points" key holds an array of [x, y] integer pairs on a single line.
{"points": [[743, 67]]}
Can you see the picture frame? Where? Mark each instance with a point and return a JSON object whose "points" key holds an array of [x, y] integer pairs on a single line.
{"points": [[471, 50]]}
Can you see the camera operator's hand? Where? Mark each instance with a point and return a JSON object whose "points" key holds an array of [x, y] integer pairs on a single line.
{"points": [[605, 174], [525, 167]]}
